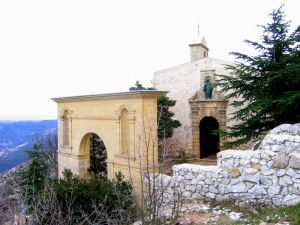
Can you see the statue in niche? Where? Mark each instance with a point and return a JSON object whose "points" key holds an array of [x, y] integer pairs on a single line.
{"points": [[208, 87]]}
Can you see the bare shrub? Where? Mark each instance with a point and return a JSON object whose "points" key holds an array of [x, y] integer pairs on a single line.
{"points": [[153, 200]]}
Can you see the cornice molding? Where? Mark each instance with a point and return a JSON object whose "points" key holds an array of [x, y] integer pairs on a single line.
{"points": [[143, 94]]}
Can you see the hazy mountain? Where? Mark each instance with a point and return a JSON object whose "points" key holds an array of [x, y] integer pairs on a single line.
{"points": [[17, 137]]}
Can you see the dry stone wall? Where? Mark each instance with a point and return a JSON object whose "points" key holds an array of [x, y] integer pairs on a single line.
{"points": [[269, 175]]}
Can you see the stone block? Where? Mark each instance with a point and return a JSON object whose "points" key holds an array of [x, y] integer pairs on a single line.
{"points": [[189, 176], [234, 172], [238, 188], [274, 190], [265, 181], [285, 181], [254, 160], [250, 178], [210, 195], [263, 162], [293, 190], [266, 171], [250, 171], [295, 161], [284, 191], [258, 190], [293, 174], [277, 201], [256, 166], [281, 161], [270, 152], [280, 172], [249, 185], [222, 189], [277, 148], [291, 199], [212, 189]]}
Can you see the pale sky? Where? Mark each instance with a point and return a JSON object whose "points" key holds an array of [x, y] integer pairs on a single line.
{"points": [[59, 48]]}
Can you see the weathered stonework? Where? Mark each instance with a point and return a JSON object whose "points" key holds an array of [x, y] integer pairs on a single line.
{"points": [[247, 176]]}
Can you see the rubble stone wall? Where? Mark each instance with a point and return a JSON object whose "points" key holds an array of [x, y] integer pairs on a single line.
{"points": [[269, 175]]}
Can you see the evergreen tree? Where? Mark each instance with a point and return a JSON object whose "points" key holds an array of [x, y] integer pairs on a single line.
{"points": [[32, 178], [98, 157], [266, 86], [166, 123]]}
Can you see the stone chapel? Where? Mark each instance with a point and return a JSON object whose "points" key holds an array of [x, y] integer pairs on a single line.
{"points": [[198, 115], [116, 125]]}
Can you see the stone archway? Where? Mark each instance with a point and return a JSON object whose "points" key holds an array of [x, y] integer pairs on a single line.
{"points": [[93, 147], [117, 118], [201, 109], [209, 141]]}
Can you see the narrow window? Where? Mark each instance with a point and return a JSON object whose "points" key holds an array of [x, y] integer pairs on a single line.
{"points": [[66, 141], [125, 132]]}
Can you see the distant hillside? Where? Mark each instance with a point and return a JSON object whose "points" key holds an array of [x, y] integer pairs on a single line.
{"points": [[17, 137]]}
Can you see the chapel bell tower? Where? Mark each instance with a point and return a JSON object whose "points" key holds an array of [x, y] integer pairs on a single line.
{"points": [[198, 50]]}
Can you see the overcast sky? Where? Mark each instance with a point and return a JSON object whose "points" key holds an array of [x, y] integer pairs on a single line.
{"points": [[68, 47]]}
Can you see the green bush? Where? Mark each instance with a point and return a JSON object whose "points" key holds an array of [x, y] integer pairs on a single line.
{"points": [[113, 196], [74, 200]]}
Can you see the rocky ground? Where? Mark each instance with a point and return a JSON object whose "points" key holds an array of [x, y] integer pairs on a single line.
{"points": [[204, 213], [230, 213]]}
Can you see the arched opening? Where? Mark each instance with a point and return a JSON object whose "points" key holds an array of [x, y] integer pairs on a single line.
{"points": [[209, 141], [95, 148]]}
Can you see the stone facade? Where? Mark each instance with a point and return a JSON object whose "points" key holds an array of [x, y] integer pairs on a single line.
{"points": [[185, 85], [267, 176], [80, 116]]}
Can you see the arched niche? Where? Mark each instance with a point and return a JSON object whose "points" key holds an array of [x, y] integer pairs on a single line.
{"points": [[126, 127], [125, 132], [66, 127]]}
